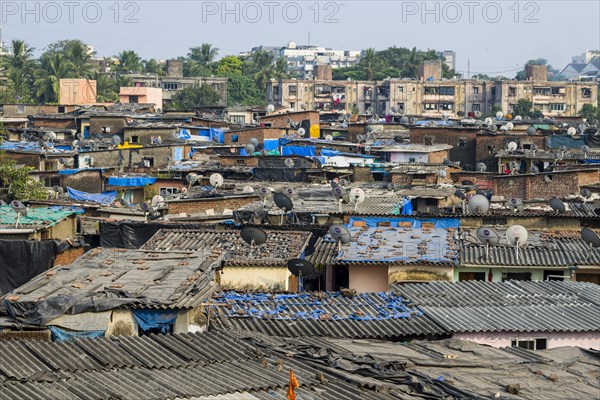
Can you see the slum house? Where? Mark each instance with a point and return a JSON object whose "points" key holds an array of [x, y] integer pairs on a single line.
{"points": [[40, 158], [13, 123], [25, 110], [263, 267], [127, 157], [548, 254], [523, 315], [387, 250], [90, 180], [422, 173], [39, 223], [208, 204], [309, 120], [462, 139], [411, 153], [151, 133], [131, 188], [116, 292], [228, 365], [527, 161], [268, 137], [545, 185]]}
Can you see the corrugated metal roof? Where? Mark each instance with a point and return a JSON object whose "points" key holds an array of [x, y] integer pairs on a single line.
{"points": [[105, 279], [37, 217]]}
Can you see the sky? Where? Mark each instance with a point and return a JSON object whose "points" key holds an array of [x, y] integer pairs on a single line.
{"points": [[494, 37]]}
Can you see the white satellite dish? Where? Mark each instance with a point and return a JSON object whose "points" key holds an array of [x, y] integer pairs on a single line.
{"points": [[442, 173], [51, 136], [512, 146], [158, 201], [301, 132], [571, 131], [517, 236], [216, 180], [289, 163], [479, 204], [504, 128], [481, 167], [270, 108], [264, 193], [510, 126], [329, 138], [518, 118], [19, 209], [357, 196], [488, 121], [499, 114], [248, 190]]}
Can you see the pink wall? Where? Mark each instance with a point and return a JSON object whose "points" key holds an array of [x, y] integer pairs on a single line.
{"points": [[145, 95], [586, 340], [370, 278]]}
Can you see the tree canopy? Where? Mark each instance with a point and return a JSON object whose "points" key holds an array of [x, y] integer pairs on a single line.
{"points": [[194, 97]]}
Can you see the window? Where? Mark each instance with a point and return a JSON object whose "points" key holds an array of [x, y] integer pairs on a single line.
{"points": [[462, 142], [61, 109], [20, 108], [446, 106], [237, 119], [429, 106], [558, 90], [447, 91], [165, 191], [586, 92], [292, 90], [148, 162], [413, 159], [512, 91], [399, 106], [134, 139], [530, 344], [428, 140], [431, 202], [471, 276], [170, 86], [557, 107], [494, 221], [322, 90], [476, 107], [51, 182], [491, 149], [400, 89], [293, 105], [516, 276], [475, 89], [541, 91], [276, 91], [368, 92], [133, 99], [430, 90]]}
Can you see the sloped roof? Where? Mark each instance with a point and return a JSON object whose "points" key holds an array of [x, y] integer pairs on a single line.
{"points": [[37, 217]]}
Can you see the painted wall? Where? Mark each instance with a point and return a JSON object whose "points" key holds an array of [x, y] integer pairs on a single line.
{"points": [[536, 274], [555, 339], [370, 278], [255, 278]]}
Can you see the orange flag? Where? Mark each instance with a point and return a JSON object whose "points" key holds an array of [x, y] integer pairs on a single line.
{"points": [[293, 385]]}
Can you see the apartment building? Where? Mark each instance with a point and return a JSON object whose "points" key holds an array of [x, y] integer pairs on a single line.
{"points": [[432, 98]]}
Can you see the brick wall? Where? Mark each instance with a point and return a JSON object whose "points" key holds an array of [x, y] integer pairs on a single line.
{"points": [[132, 157], [465, 154], [499, 142], [68, 256], [86, 181], [217, 204], [116, 124], [354, 130], [69, 123], [438, 156], [260, 134], [145, 135], [282, 120], [536, 186], [239, 161], [30, 160]]}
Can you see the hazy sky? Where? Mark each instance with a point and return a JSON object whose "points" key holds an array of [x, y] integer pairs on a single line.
{"points": [[497, 36]]}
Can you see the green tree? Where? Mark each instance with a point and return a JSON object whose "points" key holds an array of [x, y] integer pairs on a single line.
{"points": [[152, 66], [203, 55], [106, 90], [79, 60], [230, 65], [51, 69], [553, 73], [194, 97], [128, 61], [17, 65], [370, 62], [261, 68], [16, 179], [524, 108], [590, 113], [242, 91]]}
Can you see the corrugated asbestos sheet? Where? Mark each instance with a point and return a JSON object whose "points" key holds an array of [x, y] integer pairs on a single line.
{"points": [[280, 246], [514, 306]]}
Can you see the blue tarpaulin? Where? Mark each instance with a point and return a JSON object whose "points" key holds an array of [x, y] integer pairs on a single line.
{"points": [[61, 335], [555, 141], [271, 144], [216, 135], [155, 319], [407, 208], [184, 134], [102, 198], [306, 151], [177, 153], [74, 171], [444, 223], [131, 181], [329, 152]]}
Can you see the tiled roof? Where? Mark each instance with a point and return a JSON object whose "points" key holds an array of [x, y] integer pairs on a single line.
{"points": [[105, 279], [280, 245]]}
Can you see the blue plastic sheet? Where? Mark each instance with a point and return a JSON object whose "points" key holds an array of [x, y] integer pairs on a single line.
{"points": [[130, 181], [329, 152], [271, 144], [442, 223], [217, 135], [155, 319], [184, 134], [177, 153], [74, 171], [306, 151], [62, 335], [565, 140], [102, 198], [407, 208]]}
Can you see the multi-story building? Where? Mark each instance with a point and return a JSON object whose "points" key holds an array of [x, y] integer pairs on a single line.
{"points": [[302, 59], [449, 57], [434, 99], [174, 81]]}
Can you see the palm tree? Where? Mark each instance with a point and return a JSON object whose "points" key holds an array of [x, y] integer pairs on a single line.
{"points": [[152, 67], [369, 62], [17, 65], [52, 68], [128, 61], [80, 60], [204, 55], [410, 67], [262, 69], [105, 88]]}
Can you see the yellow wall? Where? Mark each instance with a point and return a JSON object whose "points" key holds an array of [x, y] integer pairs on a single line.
{"points": [[255, 278]]}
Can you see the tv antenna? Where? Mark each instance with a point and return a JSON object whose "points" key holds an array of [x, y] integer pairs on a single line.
{"points": [[300, 268], [557, 205], [284, 203], [340, 234], [488, 236], [517, 235], [19, 209], [357, 196]]}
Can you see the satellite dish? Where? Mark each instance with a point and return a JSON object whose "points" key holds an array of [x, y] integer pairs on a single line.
{"points": [[248, 190], [329, 138], [481, 167], [340, 234], [517, 235], [357, 196], [516, 204], [510, 126], [488, 121], [300, 267], [290, 192], [586, 149], [571, 131], [531, 130], [499, 114], [289, 163], [264, 193], [51, 136], [158, 201], [590, 237], [253, 236], [191, 178], [534, 170], [460, 195], [391, 186], [504, 128], [512, 146], [404, 120], [557, 205], [249, 148], [283, 202], [586, 193], [518, 118], [301, 132], [164, 193], [254, 142], [479, 204], [148, 209], [344, 182], [360, 137], [270, 108], [19, 209], [216, 180], [341, 195], [488, 236], [442, 173], [116, 140], [75, 144], [513, 166]]}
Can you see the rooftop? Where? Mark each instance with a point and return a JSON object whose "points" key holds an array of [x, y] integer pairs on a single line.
{"points": [[37, 218]]}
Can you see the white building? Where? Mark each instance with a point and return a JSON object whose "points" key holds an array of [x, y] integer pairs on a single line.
{"points": [[449, 57], [586, 57]]}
